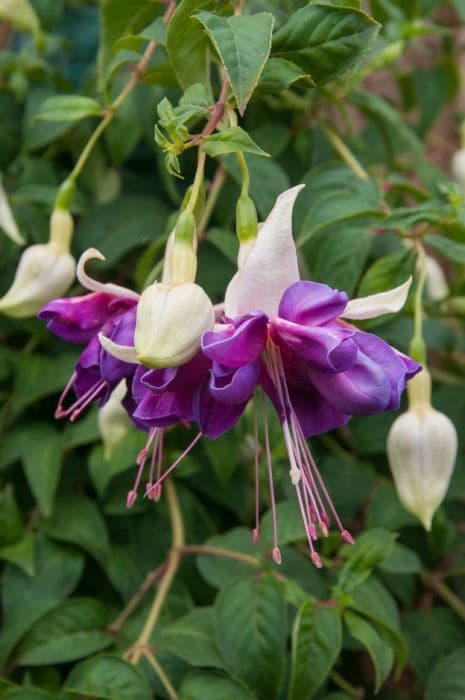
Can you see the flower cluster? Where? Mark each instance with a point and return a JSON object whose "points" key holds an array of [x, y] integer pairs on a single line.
{"points": [[275, 336]]}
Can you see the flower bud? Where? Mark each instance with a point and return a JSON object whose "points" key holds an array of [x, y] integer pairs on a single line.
{"points": [[113, 420], [170, 321], [421, 448], [182, 263], [436, 283], [458, 168], [7, 220], [45, 271], [246, 219]]}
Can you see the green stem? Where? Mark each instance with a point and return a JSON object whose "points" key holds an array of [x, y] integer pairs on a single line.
{"points": [[350, 689], [245, 174], [344, 152], [215, 188], [417, 345], [165, 681], [220, 552], [173, 562], [443, 590], [150, 580], [198, 181]]}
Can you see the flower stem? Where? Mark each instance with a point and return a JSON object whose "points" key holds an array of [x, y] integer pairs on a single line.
{"points": [[443, 590], [173, 562], [344, 152], [245, 174], [198, 180], [213, 193], [165, 681], [220, 552], [417, 345], [150, 580]]}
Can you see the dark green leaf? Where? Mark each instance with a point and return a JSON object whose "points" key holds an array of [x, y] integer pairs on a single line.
{"points": [[37, 377], [324, 41], [243, 44], [370, 549], [42, 460], [70, 631], [387, 272], [76, 519], [203, 686], [449, 249], [250, 632], [401, 560], [21, 553], [218, 571], [192, 638], [231, 140], [279, 74], [26, 599], [102, 470], [108, 677], [379, 649], [447, 678], [316, 643], [11, 521]]}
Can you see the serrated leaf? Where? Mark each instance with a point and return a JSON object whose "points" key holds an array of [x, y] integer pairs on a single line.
{"points": [[447, 678], [387, 272], [70, 631], [42, 461], [77, 519], [316, 643], [370, 549], [108, 677], [401, 560], [250, 632], [68, 108], [279, 74], [192, 638], [243, 44], [324, 41], [378, 648], [452, 250], [26, 599], [231, 140], [218, 571], [187, 43]]}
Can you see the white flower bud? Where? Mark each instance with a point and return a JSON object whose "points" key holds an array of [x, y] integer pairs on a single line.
{"points": [[436, 283], [7, 220], [458, 168], [113, 420], [421, 448], [170, 321]]}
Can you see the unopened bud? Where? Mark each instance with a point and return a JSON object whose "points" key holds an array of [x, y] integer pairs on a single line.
{"points": [[182, 263], [186, 228], [7, 220], [421, 448], [170, 321], [246, 219], [458, 168], [45, 271], [436, 283], [113, 420]]}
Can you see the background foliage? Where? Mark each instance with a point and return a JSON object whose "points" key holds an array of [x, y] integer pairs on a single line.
{"points": [[383, 616]]}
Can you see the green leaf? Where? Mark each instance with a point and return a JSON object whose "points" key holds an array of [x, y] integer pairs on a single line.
{"points": [[206, 686], [187, 43], [387, 272], [243, 44], [102, 470], [26, 599], [370, 549], [316, 643], [324, 41], [449, 249], [21, 553], [231, 140], [37, 376], [250, 632], [279, 74], [192, 638], [108, 677], [290, 525], [21, 15], [218, 571], [77, 519], [42, 461], [401, 560], [11, 520], [70, 631], [379, 650], [68, 108], [447, 678]]}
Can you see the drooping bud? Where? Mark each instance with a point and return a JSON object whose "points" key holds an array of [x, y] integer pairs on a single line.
{"points": [[458, 168], [436, 283], [170, 321], [7, 220], [246, 219], [421, 448], [45, 271], [113, 420]]}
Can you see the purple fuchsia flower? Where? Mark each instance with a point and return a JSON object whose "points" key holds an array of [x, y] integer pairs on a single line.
{"points": [[109, 309], [290, 338]]}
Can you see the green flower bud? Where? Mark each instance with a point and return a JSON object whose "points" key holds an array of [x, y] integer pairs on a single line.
{"points": [[246, 219]]}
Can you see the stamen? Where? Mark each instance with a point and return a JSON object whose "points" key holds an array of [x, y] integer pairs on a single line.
{"points": [[59, 409], [140, 461], [256, 530], [175, 464], [82, 402], [276, 551]]}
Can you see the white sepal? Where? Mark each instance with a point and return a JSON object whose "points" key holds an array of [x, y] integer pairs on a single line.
{"points": [[113, 420], [125, 353], [436, 284], [378, 304], [95, 286], [7, 220]]}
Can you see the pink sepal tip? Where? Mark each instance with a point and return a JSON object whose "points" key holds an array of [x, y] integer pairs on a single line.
{"points": [[131, 499], [347, 537]]}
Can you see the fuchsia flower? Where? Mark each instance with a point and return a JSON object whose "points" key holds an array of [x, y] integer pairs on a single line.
{"points": [[277, 335]]}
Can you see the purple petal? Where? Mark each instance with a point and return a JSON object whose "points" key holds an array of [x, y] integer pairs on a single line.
{"points": [[327, 348], [315, 415], [242, 342], [236, 386], [311, 303], [112, 369], [77, 319], [213, 417]]}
